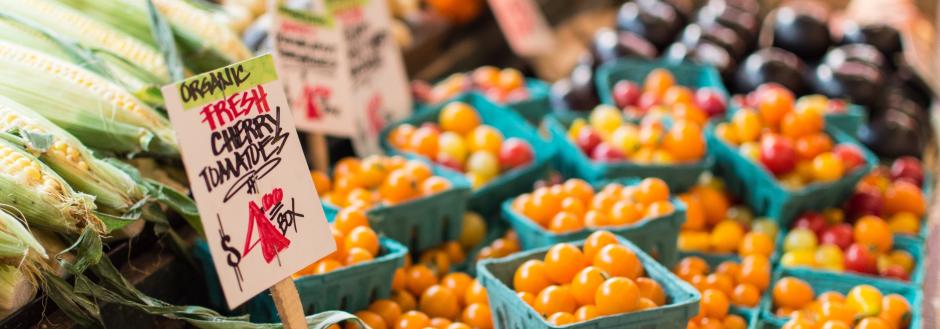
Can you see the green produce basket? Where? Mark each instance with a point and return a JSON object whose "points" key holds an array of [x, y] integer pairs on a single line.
{"points": [[655, 236], [487, 198], [509, 311], [422, 223], [849, 122], [635, 70], [572, 162], [761, 191], [910, 244], [494, 231], [827, 281], [538, 104], [713, 260], [532, 109], [349, 288]]}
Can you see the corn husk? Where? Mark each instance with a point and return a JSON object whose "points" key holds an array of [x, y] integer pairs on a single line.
{"points": [[113, 189], [135, 79], [101, 114], [71, 23], [34, 191], [203, 43]]}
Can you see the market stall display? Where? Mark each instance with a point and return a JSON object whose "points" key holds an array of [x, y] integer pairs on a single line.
{"points": [[714, 164]]}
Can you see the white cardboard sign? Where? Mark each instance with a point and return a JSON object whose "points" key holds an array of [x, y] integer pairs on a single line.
{"points": [[377, 74], [262, 216], [344, 74], [309, 52]]}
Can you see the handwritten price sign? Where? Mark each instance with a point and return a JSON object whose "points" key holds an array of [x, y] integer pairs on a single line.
{"points": [[261, 214]]}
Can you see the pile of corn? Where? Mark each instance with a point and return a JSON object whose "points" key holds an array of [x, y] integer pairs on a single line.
{"points": [[78, 91]]}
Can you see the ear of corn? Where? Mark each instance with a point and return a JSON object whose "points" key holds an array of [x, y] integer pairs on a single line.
{"points": [[16, 242], [98, 112], [16, 289], [203, 43], [40, 195], [188, 19], [113, 189], [89, 32], [136, 80]]}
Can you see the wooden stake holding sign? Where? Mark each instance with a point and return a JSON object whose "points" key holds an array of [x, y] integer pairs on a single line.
{"points": [[262, 216]]}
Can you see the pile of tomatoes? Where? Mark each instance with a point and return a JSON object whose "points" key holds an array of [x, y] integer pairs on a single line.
{"points": [[866, 247], [787, 138], [574, 205], [461, 142], [499, 85], [607, 136], [425, 296], [864, 307], [713, 224], [574, 284], [825, 104], [730, 283], [377, 180], [356, 243], [892, 193], [659, 93]]}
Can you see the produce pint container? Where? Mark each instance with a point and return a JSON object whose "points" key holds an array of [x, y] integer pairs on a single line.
{"points": [[509, 311], [572, 162], [849, 122], [425, 222], [655, 236], [912, 245], [487, 198], [713, 260], [766, 196], [635, 70], [531, 109], [828, 281], [348, 288]]}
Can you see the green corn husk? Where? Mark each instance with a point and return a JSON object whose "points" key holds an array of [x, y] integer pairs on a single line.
{"points": [[112, 188], [20, 254], [16, 289], [71, 23], [136, 80], [101, 114], [204, 43], [43, 198], [16, 242]]}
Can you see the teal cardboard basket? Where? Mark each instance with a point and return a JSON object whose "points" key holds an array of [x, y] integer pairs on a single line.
{"points": [[531, 109], [538, 104], [764, 194], [912, 245], [572, 162], [655, 236], [713, 261], [635, 70], [849, 122], [350, 288], [509, 311], [422, 223], [827, 281], [487, 198]]}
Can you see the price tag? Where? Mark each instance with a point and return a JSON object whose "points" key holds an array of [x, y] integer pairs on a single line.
{"points": [[524, 26], [309, 52], [261, 214], [379, 83]]}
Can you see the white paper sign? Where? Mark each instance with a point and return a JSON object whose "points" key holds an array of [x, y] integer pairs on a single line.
{"points": [[344, 74], [524, 26], [261, 214], [379, 83], [309, 52]]}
